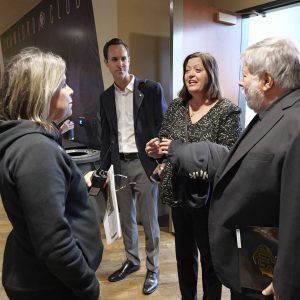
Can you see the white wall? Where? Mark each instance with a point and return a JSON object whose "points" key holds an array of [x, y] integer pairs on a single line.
{"points": [[283, 22]]}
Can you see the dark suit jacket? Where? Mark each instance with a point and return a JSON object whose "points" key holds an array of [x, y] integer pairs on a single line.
{"points": [[149, 106], [259, 184]]}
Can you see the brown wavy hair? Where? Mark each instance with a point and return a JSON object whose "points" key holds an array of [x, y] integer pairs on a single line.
{"points": [[213, 91]]}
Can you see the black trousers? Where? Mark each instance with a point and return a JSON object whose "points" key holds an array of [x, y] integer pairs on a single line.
{"points": [[191, 235], [54, 294], [257, 296]]}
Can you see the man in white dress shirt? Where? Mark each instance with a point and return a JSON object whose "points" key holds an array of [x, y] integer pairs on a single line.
{"points": [[131, 114]]}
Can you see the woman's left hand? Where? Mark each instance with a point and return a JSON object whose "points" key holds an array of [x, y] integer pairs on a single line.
{"points": [[269, 290]]}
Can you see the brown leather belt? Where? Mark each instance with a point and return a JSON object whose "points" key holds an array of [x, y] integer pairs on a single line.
{"points": [[129, 156]]}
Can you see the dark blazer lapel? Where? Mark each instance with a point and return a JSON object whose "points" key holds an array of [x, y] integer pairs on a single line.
{"points": [[110, 107], [240, 150], [138, 97]]}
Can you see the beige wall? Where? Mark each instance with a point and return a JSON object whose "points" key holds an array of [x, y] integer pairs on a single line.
{"points": [[177, 49], [12, 11], [144, 17], [145, 26], [106, 22]]}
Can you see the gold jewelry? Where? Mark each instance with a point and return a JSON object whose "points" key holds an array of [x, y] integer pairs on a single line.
{"points": [[192, 112]]}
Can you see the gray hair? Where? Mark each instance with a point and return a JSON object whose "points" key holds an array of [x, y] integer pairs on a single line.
{"points": [[277, 56], [29, 82]]}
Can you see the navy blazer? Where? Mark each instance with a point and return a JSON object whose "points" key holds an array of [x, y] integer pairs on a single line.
{"points": [[149, 106], [258, 185]]}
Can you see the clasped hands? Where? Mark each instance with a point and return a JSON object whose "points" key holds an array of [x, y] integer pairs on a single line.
{"points": [[157, 148]]}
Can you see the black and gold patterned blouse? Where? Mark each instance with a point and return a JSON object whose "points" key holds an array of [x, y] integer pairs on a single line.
{"points": [[220, 125]]}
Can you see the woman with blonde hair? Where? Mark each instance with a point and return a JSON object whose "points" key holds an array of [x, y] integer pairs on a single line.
{"points": [[54, 247]]}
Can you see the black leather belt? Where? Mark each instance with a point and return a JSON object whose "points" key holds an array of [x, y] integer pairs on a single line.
{"points": [[129, 156]]}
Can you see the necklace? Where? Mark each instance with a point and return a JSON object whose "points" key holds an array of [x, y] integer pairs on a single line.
{"points": [[202, 109], [193, 113]]}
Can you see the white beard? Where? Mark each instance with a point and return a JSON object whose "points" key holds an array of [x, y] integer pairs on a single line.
{"points": [[254, 96]]}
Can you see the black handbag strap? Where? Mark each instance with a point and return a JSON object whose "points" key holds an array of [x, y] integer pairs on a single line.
{"points": [[186, 135]]}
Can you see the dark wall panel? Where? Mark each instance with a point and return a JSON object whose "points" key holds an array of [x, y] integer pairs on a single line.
{"points": [[67, 28]]}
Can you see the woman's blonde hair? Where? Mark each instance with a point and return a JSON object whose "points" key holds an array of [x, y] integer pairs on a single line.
{"points": [[29, 82]]}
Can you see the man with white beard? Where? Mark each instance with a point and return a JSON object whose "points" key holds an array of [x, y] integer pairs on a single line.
{"points": [[258, 183]]}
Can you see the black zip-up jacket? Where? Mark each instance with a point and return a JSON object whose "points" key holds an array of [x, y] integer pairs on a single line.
{"points": [[55, 241]]}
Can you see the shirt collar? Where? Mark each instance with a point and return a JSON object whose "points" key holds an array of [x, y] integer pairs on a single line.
{"points": [[128, 88]]}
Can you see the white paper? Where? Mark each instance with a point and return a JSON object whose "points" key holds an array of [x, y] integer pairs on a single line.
{"points": [[111, 221], [238, 238]]}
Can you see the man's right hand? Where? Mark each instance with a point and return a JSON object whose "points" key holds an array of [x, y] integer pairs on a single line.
{"points": [[269, 290]]}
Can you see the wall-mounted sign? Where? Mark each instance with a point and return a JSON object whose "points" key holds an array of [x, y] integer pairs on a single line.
{"points": [[67, 28]]}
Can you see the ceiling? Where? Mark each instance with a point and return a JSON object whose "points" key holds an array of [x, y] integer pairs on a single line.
{"points": [[12, 10]]}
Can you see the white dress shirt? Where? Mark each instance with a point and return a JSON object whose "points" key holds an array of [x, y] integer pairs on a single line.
{"points": [[124, 108]]}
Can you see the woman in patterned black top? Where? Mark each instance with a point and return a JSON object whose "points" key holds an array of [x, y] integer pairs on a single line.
{"points": [[199, 114]]}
